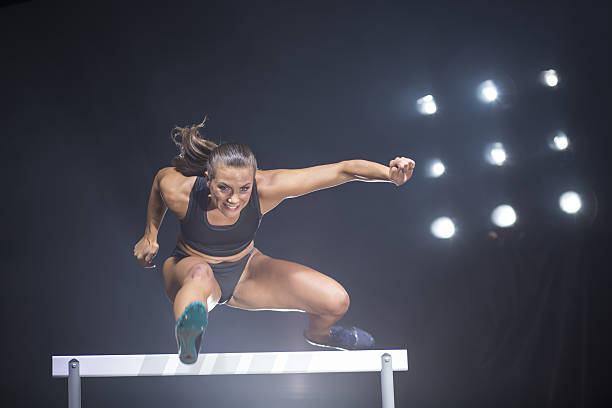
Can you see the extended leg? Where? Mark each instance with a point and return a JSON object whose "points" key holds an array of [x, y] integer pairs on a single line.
{"points": [[189, 280], [197, 287], [191, 286]]}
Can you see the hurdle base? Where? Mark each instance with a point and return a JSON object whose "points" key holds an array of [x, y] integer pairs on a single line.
{"points": [[74, 384], [383, 361]]}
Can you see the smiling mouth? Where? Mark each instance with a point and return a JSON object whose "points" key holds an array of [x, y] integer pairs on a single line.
{"points": [[230, 208]]}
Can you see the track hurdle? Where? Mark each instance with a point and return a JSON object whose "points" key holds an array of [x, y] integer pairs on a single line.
{"points": [[131, 365]]}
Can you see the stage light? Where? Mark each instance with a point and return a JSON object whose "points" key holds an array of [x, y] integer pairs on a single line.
{"points": [[549, 78], [487, 91], [570, 202], [443, 228], [503, 216], [559, 141], [436, 168], [496, 154], [427, 105]]}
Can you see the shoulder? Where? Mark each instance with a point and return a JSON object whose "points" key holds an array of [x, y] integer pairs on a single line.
{"points": [[263, 179], [173, 185], [267, 201]]}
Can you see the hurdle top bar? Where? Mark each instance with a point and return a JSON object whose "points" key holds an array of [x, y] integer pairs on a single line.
{"points": [[231, 363]]}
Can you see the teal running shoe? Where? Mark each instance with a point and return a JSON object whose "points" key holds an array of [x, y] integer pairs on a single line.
{"points": [[189, 331]]}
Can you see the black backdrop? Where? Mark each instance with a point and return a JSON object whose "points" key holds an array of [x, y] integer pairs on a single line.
{"points": [[90, 93]]}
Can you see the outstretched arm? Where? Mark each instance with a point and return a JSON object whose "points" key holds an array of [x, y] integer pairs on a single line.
{"points": [[146, 249], [399, 170], [288, 183]]}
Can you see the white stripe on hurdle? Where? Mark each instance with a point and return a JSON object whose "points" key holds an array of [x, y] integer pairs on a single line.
{"points": [[230, 363]]}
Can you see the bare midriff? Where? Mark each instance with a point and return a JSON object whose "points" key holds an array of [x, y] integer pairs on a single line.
{"points": [[213, 259]]}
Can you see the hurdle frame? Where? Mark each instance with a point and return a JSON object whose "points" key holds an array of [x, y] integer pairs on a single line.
{"points": [[306, 362]]}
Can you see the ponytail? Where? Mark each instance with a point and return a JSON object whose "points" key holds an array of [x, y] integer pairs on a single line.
{"points": [[197, 154], [194, 150]]}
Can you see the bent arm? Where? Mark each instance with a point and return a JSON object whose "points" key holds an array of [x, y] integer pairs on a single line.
{"points": [[146, 249], [155, 210]]}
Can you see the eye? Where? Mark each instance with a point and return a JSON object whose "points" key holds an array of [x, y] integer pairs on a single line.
{"points": [[244, 188], [222, 188]]}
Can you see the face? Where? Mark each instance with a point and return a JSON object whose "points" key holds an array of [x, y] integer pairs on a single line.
{"points": [[231, 188]]}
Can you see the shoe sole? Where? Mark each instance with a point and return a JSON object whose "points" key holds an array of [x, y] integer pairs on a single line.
{"points": [[324, 345], [189, 332]]}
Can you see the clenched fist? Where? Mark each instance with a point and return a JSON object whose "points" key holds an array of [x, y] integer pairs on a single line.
{"points": [[145, 250], [400, 170]]}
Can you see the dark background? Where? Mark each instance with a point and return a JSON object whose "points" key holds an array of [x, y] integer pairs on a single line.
{"points": [[91, 92]]}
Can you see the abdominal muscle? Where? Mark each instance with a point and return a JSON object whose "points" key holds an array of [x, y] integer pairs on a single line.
{"points": [[214, 259]]}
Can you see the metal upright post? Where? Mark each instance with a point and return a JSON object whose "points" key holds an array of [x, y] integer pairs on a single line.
{"points": [[386, 382], [74, 384]]}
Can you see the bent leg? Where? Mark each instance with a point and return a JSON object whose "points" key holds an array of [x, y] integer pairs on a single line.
{"points": [[189, 280], [276, 284]]}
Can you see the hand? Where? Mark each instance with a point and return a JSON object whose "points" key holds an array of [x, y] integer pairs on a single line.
{"points": [[145, 250], [400, 170]]}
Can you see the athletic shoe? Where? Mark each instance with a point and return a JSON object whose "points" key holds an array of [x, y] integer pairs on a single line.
{"points": [[189, 331], [346, 339]]}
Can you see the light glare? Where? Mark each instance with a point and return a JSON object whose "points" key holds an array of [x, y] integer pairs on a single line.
{"points": [[437, 169], [549, 78], [570, 202], [443, 228], [560, 141], [427, 105], [488, 91], [503, 216], [497, 154]]}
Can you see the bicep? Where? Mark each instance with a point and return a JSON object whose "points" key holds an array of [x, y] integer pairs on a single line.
{"points": [[289, 183]]}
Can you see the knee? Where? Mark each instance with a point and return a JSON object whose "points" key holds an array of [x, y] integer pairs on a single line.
{"points": [[338, 302], [200, 272]]}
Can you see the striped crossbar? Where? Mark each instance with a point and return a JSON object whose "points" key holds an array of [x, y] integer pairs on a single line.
{"points": [[230, 363]]}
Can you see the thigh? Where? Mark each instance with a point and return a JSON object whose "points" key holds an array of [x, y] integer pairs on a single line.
{"points": [[276, 284], [175, 271]]}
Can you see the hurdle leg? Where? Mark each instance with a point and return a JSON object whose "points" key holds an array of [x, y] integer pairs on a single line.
{"points": [[74, 384], [386, 382]]}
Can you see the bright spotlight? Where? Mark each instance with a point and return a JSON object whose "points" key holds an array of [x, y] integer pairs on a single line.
{"points": [[570, 202], [549, 78], [436, 168], [427, 105], [503, 216], [559, 141], [496, 154], [443, 228], [487, 91]]}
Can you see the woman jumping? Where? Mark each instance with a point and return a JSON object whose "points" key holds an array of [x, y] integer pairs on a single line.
{"points": [[220, 196]]}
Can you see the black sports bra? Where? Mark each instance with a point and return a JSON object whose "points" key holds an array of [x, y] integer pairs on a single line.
{"points": [[218, 240]]}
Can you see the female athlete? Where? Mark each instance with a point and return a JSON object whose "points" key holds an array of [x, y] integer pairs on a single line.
{"points": [[220, 196]]}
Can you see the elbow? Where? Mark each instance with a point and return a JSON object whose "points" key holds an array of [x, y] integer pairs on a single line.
{"points": [[348, 171]]}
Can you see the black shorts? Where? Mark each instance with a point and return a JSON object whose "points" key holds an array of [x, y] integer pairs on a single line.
{"points": [[227, 274]]}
